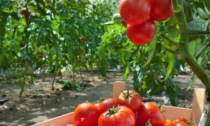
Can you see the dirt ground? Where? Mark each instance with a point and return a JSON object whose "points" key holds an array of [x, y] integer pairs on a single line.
{"points": [[40, 103]]}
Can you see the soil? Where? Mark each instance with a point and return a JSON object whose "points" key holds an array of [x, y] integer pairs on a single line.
{"points": [[40, 103]]}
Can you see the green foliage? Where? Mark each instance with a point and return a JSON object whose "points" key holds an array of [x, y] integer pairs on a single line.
{"points": [[67, 33], [71, 85], [79, 35]]}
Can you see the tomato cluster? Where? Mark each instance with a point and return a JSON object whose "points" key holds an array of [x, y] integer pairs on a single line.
{"points": [[179, 122], [140, 17], [125, 110]]}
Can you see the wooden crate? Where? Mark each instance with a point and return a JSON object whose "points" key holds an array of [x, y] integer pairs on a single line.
{"points": [[171, 112]]}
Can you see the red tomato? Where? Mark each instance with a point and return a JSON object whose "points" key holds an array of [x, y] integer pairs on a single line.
{"points": [[119, 116], [21, 44], [71, 125], [131, 99], [150, 112], [40, 55], [107, 104], [161, 9], [168, 122], [24, 11], [179, 124], [141, 34], [86, 114], [134, 11]]}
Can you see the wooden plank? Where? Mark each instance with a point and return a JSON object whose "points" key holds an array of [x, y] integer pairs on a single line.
{"points": [[172, 112], [198, 104], [118, 86], [58, 121]]}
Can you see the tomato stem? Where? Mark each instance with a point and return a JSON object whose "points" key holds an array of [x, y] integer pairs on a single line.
{"points": [[113, 110]]}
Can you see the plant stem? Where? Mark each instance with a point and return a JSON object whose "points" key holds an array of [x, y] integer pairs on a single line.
{"points": [[183, 45], [197, 33], [169, 40]]}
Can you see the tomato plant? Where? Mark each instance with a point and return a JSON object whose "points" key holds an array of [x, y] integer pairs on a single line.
{"points": [[118, 116], [86, 114], [142, 33], [56, 29]]}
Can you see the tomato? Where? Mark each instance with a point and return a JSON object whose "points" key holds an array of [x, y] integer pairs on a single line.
{"points": [[134, 11], [41, 55], [150, 112], [179, 124], [141, 34], [119, 116], [161, 9], [168, 122], [71, 125], [86, 114], [107, 104], [131, 99], [81, 40], [24, 11], [21, 44], [182, 122]]}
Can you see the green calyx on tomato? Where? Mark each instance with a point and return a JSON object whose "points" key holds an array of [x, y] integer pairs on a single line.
{"points": [[117, 19], [131, 99], [127, 95], [113, 111], [119, 116]]}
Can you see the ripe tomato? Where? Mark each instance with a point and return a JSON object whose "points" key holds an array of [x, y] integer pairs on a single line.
{"points": [[179, 124], [86, 114], [119, 116], [21, 44], [142, 33], [24, 11], [150, 112], [168, 122], [182, 122], [161, 9], [107, 104], [134, 11], [71, 125], [41, 55], [131, 99]]}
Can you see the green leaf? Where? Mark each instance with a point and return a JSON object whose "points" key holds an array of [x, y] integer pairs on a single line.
{"points": [[192, 47], [207, 3], [202, 13], [14, 15], [151, 50], [172, 91], [171, 59]]}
